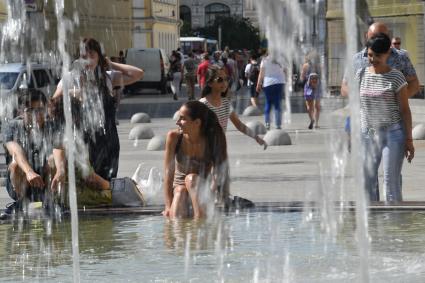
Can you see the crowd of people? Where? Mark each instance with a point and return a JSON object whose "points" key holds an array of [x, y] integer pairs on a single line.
{"points": [[196, 169]]}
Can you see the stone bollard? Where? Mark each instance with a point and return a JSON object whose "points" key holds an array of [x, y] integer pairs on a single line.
{"points": [[418, 132], [257, 127], [157, 143], [251, 111], [141, 132], [176, 115], [277, 137], [140, 118]]}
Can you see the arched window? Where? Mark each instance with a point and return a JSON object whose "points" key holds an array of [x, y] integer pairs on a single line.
{"points": [[215, 10], [185, 15]]}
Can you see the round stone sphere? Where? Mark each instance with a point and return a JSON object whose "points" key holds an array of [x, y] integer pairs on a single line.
{"points": [[140, 118], [251, 111], [257, 127], [277, 137], [157, 143], [141, 132], [418, 132], [176, 115]]}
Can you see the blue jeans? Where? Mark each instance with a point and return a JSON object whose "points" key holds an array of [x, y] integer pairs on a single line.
{"points": [[274, 94], [387, 144]]}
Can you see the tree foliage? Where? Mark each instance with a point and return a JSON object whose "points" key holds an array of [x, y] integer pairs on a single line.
{"points": [[236, 32]]}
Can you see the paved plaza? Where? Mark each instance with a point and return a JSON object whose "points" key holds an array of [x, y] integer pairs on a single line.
{"points": [[305, 170]]}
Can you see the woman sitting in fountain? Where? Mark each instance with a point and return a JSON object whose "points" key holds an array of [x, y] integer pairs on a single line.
{"points": [[386, 121], [196, 166], [93, 81]]}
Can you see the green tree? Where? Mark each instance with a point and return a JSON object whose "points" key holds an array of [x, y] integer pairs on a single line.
{"points": [[186, 29], [236, 32]]}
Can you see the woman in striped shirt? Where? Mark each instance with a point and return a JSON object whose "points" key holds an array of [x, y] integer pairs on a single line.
{"points": [[386, 120], [214, 95]]}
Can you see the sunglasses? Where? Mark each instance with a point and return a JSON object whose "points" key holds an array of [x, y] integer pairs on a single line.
{"points": [[220, 80], [396, 43]]}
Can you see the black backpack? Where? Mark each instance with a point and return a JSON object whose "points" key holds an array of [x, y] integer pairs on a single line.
{"points": [[254, 72]]}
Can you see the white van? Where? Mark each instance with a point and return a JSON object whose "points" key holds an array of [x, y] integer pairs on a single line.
{"points": [[13, 75], [154, 63]]}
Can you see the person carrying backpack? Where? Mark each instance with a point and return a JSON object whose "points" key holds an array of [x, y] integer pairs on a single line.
{"points": [[252, 71]]}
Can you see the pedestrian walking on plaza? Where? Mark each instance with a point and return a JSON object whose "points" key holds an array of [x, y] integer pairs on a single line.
{"points": [[395, 60], [214, 95], [202, 70], [196, 168], [386, 121], [176, 69], [252, 72], [272, 81], [312, 94], [189, 68]]}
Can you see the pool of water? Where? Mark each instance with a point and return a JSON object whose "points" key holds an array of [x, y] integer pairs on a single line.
{"points": [[248, 247]]}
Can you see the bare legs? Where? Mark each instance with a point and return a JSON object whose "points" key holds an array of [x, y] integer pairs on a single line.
{"points": [[18, 179], [181, 195], [317, 108], [179, 207], [313, 110]]}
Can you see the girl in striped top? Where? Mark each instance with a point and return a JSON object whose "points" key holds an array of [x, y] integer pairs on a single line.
{"points": [[386, 120], [214, 95]]}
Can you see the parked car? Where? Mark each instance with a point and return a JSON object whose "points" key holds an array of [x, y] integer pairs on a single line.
{"points": [[155, 64], [14, 76], [38, 76]]}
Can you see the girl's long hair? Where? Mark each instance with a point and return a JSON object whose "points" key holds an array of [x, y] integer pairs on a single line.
{"points": [[216, 145], [102, 66], [212, 74]]}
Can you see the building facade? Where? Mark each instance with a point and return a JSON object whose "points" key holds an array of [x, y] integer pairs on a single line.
{"points": [[201, 13], [110, 24], [405, 18], [156, 24], [250, 12]]}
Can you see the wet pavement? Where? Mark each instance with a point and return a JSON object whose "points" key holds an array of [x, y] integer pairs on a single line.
{"points": [[307, 170]]}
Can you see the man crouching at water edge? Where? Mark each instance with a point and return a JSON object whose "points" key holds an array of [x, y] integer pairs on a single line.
{"points": [[28, 142], [196, 165]]}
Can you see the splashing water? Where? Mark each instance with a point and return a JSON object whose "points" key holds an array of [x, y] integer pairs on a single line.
{"points": [[64, 25]]}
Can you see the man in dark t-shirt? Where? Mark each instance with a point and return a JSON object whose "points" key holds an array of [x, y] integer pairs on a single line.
{"points": [[28, 145]]}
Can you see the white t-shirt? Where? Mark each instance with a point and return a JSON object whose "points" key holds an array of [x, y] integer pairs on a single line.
{"points": [[273, 72]]}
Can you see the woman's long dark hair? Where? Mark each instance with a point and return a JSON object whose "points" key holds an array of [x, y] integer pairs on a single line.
{"points": [[212, 74], [102, 66], [216, 145]]}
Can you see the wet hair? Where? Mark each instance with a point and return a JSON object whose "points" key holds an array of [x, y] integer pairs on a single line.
{"points": [[27, 97], [379, 43], [57, 113], [216, 145], [91, 44], [212, 74]]}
